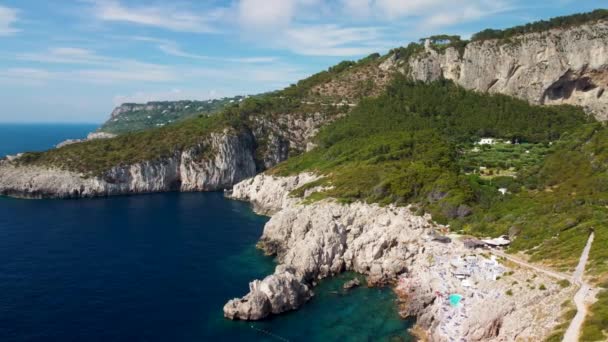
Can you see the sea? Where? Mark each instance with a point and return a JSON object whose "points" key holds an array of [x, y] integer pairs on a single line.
{"points": [[155, 267]]}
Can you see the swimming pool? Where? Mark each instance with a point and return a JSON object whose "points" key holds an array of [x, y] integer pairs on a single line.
{"points": [[455, 299]]}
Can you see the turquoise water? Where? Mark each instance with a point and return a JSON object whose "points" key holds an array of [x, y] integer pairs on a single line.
{"points": [[455, 299], [156, 268]]}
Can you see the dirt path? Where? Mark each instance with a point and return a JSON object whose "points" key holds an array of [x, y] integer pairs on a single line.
{"points": [[521, 262], [574, 330]]}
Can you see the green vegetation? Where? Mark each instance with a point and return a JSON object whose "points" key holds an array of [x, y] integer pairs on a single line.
{"points": [[567, 316], [96, 156], [442, 42], [402, 146], [407, 147], [502, 158], [159, 114], [595, 327], [509, 292], [302, 88], [543, 25], [564, 283], [554, 205]]}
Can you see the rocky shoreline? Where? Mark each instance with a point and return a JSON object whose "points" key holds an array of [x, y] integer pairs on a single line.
{"points": [[391, 246], [217, 163]]}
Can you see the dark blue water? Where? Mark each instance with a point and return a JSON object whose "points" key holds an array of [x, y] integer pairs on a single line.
{"points": [[157, 268], [15, 138]]}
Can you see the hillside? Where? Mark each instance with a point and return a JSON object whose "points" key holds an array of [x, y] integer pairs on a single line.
{"points": [[413, 145], [398, 130], [132, 117]]}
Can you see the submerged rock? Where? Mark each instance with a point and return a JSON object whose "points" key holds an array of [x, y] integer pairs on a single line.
{"points": [[351, 284]]}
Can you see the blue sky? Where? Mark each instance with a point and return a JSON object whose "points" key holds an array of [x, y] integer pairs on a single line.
{"points": [[74, 60]]}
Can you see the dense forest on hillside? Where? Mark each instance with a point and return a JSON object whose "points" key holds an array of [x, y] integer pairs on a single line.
{"points": [[159, 114], [404, 142]]}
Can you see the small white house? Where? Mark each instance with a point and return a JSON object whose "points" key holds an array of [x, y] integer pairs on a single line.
{"points": [[487, 141], [503, 191]]}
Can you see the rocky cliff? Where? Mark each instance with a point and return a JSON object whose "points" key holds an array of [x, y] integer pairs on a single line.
{"points": [[220, 161], [558, 66], [391, 245], [315, 241]]}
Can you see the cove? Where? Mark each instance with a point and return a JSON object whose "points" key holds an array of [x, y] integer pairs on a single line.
{"points": [[157, 268]]}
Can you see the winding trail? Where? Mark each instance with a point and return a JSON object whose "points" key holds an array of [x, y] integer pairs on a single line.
{"points": [[574, 330], [521, 262]]}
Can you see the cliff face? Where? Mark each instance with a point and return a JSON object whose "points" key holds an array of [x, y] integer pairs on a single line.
{"points": [[286, 135], [222, 160], [559, 66]]}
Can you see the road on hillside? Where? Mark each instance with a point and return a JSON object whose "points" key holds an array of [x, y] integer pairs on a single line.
{"points": [[574, 330], [521, 262]]}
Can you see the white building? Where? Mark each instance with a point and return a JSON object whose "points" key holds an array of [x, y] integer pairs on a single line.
{"points": [[487, 141]]}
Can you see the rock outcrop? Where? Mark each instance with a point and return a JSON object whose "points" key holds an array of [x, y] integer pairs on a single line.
{"points": [[285, 135], [558, 66], [322, 239], [222, 160], [90, 136], [276, 294], [269, 194], [391, 245]]}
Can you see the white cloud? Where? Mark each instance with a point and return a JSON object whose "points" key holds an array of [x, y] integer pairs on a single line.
{"points": [[25, 76], [65, 55], [426, 13], [158, 16], [332, 40], [351, 27], [8, 17], [358, 8], [262, 14], [173, 49], [39, 76]]}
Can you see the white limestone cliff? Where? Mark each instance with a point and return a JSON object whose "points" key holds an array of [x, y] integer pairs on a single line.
{"points": [[222, 160], [558, 66]]}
